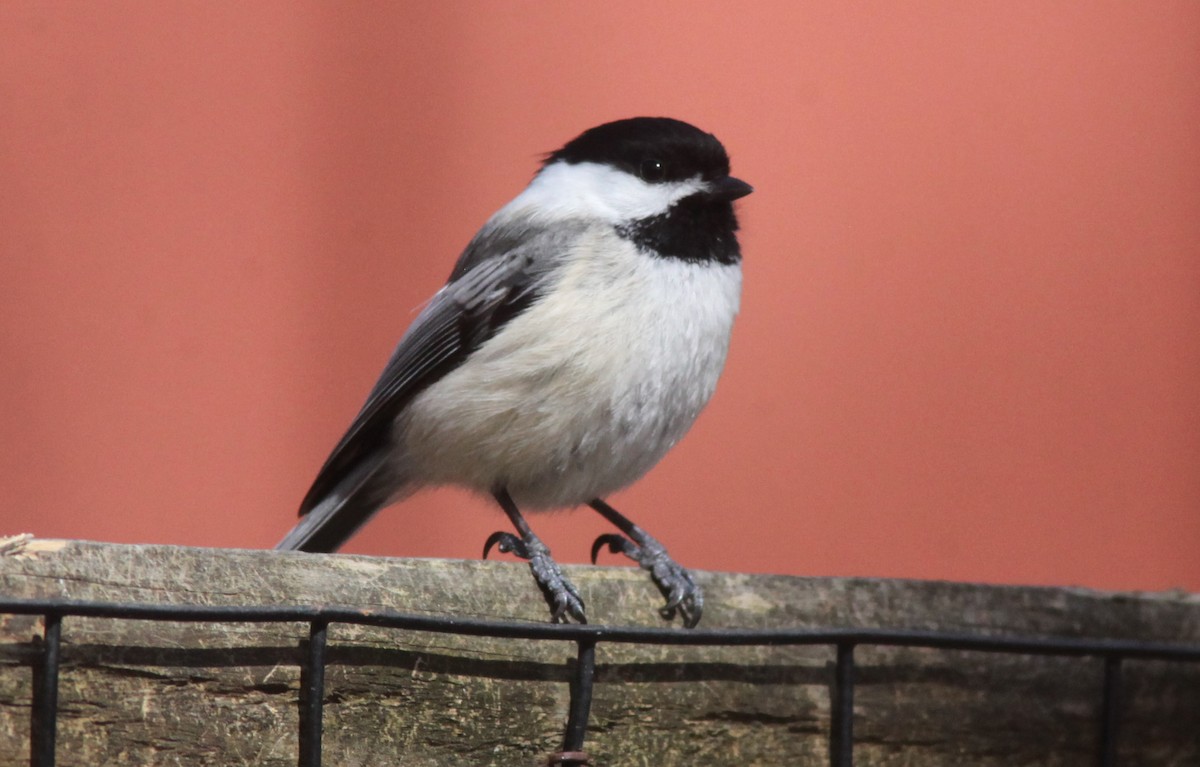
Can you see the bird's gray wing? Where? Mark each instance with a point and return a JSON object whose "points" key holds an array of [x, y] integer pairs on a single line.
{"points": [[464, 314]]}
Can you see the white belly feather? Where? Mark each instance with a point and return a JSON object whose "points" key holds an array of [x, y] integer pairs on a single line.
{"points": [[584, 392]]}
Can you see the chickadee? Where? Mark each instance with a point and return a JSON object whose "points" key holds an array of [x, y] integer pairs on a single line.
{"points": [[580, 334]]}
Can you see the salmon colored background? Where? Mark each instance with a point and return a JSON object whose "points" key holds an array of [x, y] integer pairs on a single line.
{"points": [[970, 339]]}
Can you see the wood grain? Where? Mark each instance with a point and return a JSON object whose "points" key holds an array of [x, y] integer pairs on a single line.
{"points": [[140, 692]]}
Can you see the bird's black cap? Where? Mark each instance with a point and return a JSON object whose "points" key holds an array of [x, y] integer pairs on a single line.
{"points": [[654, 148]]}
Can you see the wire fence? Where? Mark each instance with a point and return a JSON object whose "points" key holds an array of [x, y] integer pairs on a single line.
{"points": [[44, 713]]}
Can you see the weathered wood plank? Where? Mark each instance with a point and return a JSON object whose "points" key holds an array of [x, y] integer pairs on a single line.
{"points": [[139, 692]]}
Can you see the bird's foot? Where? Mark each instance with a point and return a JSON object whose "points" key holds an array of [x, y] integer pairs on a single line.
{"points": [[682, 593], [560, 593]]}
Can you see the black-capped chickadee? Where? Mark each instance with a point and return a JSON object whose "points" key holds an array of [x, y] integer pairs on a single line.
{"points": [[579, 336]]}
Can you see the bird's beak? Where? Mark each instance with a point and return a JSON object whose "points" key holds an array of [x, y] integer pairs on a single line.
{"points": [[728, 188]]}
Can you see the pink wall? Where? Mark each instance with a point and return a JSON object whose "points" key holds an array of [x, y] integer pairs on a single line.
{"points": [[970, 343]]}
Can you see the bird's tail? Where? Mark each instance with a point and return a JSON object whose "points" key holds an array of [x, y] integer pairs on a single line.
{"points": [[337, 516]]}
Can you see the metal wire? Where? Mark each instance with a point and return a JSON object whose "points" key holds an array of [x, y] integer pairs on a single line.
{"points": [[586, 637], [841, 725], [312, 696], [581, 697], [1110, 711], [45, 698]]}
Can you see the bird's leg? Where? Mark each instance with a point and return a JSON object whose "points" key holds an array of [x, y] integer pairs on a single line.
{"points": [[676, 584], [560, 594]]}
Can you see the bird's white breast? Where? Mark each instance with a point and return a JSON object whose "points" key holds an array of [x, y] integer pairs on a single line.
{"points": [[586, 390]]}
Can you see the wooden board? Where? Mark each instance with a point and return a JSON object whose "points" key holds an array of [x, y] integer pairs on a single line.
{"points": [[139, 692]]}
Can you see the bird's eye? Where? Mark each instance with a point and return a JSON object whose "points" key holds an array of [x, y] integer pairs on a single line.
{"points": [[653, 171]]}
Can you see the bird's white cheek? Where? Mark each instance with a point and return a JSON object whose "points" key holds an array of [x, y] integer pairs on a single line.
{"points": [[595, 192]]}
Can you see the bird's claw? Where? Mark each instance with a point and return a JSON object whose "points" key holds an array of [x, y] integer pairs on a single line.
{"points": [[562, 596], [684, 597], [507, 542], [617, 544]]}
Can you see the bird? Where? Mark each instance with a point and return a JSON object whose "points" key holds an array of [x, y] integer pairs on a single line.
{"points": [[579, 335]]}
